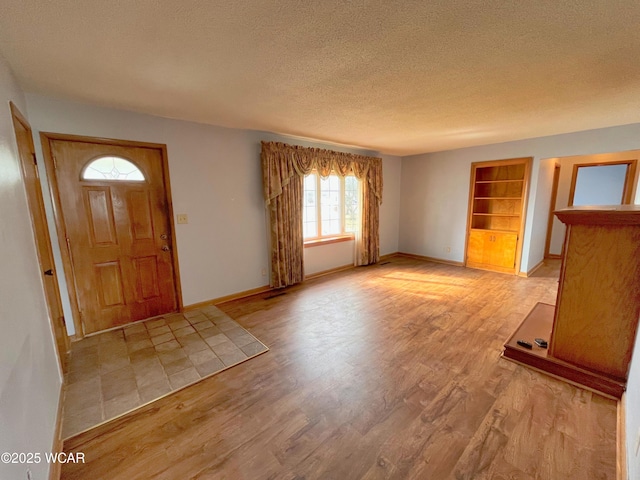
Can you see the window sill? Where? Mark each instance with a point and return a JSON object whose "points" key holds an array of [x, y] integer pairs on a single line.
{"points": [[316, 242]]}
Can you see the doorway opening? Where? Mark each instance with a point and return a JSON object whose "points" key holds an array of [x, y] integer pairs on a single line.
{"points": [[601, 179]]}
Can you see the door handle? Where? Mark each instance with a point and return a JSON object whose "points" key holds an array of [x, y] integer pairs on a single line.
{"points": [[49, 272], [164, 236], [165, 248]]}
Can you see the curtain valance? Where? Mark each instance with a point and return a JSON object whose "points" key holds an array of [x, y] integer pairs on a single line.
{"points": [[281, 162]]}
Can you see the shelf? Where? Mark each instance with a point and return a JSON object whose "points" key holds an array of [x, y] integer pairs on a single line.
{"points": [[498, 198], [494, 230], [491, 191], [497, 214], [500, 181]]}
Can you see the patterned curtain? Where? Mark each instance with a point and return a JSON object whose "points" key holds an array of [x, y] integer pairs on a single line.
{"points": [[286, 235], [283, 169], [368, 249]]}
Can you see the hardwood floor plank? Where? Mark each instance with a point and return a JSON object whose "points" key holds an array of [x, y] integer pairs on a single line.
{"points": [[380, 372]]}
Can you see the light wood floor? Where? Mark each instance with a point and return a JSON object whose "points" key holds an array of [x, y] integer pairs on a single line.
{"points": [[388, 371]]}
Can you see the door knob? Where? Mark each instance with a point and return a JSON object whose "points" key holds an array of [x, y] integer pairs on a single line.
{"points": [[164, 236], [49, 272], [165, 248]]}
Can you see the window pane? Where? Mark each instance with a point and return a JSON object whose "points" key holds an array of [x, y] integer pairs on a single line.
{"points": [[309, 207], [112, 168], [350, 203], [310, 182], [310, 230], [330, 227], [330, 205], [310, 214]]}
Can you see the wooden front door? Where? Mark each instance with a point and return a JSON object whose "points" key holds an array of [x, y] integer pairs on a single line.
{"points": [[24, 140], [116, 218]]}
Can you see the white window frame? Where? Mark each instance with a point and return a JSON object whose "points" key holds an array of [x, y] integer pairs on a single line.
{"points": [[334, 237]]}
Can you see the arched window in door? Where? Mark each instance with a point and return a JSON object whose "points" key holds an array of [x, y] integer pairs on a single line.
{"points": [[112, 168]]}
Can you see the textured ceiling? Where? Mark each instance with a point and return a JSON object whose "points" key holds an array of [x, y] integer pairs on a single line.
{"points": [[398, 77]]}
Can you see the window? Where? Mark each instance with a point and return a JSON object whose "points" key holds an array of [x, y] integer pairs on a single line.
{"points": [[112, 168], [330, 206]]}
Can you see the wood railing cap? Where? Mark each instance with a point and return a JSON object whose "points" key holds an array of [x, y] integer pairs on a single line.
{"points": [[600, 215]]}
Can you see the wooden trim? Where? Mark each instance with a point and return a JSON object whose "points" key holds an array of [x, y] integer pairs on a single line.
{"points": [[389, 256], [317, 242], [532, 271], [492, 268], [552, 207], [18, 114], [56, 467], [67, 261], [42, 237], [561, 280], [328, 272], [621, 440], [564, 372], [267, 288], [601, 215], [628, 179], [171, 223], [430, 259], [62, 233], [472, 187], [553, 256], [228, 298], [499, 163], [525, 208], [100, 140], [629, 182]]}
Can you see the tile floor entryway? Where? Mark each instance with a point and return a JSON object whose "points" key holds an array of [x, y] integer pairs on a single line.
{"points": [[113, 372]]}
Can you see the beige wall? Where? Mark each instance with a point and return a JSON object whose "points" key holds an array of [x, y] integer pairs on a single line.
{"points": [[29, 376]]}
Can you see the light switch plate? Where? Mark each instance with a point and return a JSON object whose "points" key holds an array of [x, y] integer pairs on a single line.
{"points": [[183, 218]]}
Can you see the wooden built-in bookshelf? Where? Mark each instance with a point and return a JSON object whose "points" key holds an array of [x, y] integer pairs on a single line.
{"points": [[497, 201]]}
